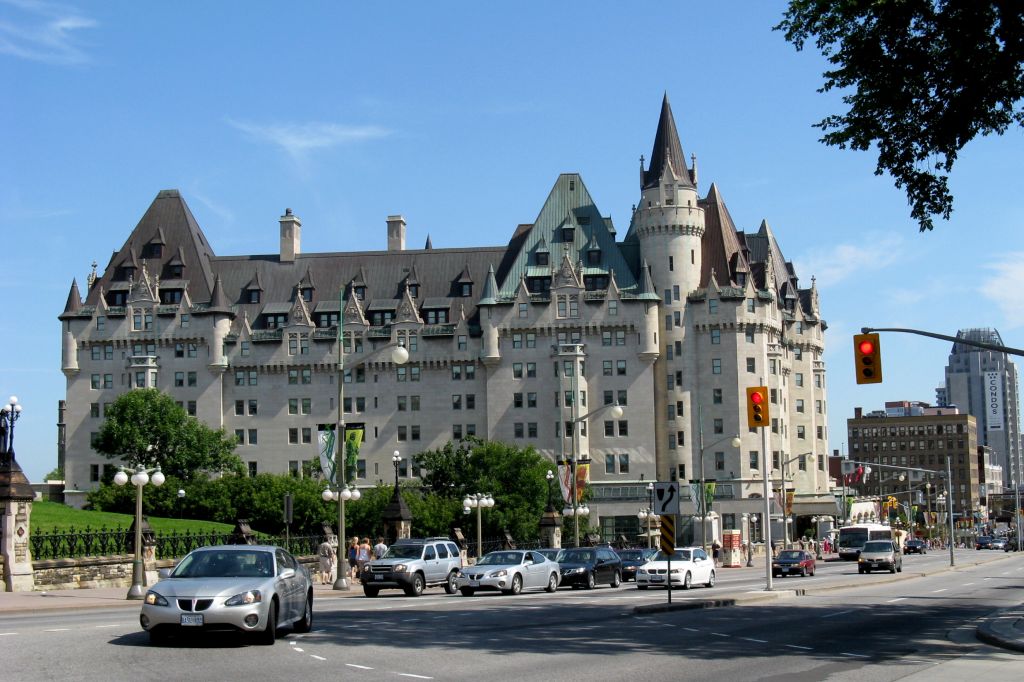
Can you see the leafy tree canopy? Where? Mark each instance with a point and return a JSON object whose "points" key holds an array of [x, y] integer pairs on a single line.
{"points": [[924, 78], [145, 427]]}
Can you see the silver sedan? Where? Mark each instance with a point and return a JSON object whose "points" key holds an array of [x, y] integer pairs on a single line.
{"points": [[245, 588], [510, 571]]}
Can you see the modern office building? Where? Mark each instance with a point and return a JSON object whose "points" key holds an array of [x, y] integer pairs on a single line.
{"points": [[924, 438], [526, 342], [984, 383]]}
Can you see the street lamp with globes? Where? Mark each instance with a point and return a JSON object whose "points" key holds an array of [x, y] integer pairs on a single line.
{"points": [[9, 414], [139, 478], [478, 501]]}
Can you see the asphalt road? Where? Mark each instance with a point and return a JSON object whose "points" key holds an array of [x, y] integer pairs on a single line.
{"points": [[916, 625]]}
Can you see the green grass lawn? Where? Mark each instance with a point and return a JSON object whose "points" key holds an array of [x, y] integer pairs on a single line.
{"points": [[48, 515]]}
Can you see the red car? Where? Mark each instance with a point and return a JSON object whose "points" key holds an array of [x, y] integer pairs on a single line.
{"points": [[793, 562]]}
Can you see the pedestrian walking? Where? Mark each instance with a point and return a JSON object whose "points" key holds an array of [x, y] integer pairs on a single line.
{"points": [[327, 559], [353, 551], [380, 549], [363, 556], [716, 551]]}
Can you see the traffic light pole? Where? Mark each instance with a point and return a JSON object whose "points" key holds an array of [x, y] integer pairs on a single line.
{"points": [[767, 523]]}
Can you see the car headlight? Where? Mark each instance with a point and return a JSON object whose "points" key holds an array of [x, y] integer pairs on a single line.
{"points": [[676, 570], [400, 568], [154, 599], [499, 574], [245, 598], [641, 571]]}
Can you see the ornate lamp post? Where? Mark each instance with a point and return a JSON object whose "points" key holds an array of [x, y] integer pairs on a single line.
{"points": [[139, 478], [550, 476], [478, 501], [9, 414], [750, 540], [703, 512], [181, 501], [396, 459]]}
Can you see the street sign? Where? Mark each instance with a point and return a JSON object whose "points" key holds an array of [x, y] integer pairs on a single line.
{"points": [[668, 534], [666, 498]]}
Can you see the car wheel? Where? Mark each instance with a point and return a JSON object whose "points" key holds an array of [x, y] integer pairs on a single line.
{"points": [[641, 587], [552, 583], [467, 591], [416, 589], [616, 579], [687, 581], [893, 569], [591, 582], [269, 634], [803, 572], [305, 624], [711, 580], [861, 571], [517, 585], [449, 585], [370, 591]]}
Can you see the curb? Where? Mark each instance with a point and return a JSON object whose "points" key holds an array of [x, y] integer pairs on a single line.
{"points": [[775, 595], [999, 630]]}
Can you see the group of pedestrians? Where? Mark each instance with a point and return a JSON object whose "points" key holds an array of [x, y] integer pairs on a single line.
{"points": [[359, 554]]}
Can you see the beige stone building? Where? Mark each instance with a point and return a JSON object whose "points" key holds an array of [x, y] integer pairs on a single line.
{"points": [[525, 342]]}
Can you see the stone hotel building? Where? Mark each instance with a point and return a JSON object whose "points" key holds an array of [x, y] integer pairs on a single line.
{"points": [[671, 320]]}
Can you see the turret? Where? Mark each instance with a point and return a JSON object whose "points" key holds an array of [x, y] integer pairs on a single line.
{"points": [[69, 353], [487, 302]]}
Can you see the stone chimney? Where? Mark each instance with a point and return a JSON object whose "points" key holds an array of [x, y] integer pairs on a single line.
{"points": [[291, 234], [396, 233], [858, 413]]}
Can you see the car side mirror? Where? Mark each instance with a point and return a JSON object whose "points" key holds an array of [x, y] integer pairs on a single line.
{"points": [[164, 573], [287, 573]]}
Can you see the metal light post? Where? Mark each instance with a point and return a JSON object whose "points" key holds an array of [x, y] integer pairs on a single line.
{"points": [[550, 477], [750, 540], [574, 509], [479, 501], [396, 459], [140, 477], [399, 356], [181, 501], [928, 502], [9, 414], [702, 509]]}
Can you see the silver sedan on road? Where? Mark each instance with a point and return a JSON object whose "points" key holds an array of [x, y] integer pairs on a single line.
{"points": [[510, 571], [245, 588]]}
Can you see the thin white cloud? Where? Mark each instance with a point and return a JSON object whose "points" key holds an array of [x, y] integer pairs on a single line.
{"points": [[834, 264], [44, 32], [299, 138], [1006, 287]]}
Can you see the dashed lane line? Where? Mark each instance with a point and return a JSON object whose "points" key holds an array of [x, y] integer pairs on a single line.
{"points": [[939, 590], [58, 630], [418, 677], [753, 639], [797, 646], [359, 667], [720, 634], [838, 613], [893, 601], [319, 658], [846, 653]]}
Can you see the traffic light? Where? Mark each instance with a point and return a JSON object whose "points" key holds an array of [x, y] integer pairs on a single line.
{"points": [[757, 407], [867, 355]]}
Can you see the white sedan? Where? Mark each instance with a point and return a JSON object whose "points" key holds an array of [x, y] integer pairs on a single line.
{"points": [[688, 565], [510, 571]]}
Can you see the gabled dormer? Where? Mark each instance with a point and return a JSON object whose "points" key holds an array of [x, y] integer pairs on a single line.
{"points": [[357, 286], [299, 314], [154, 248], [352, 314], [463, 285], [252, 292], [412, 282], [306, 288], [541, 254], [175, 267], [406, 311]]}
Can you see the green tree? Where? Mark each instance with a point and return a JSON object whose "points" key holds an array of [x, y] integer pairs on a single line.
{"points": [[145, 427], [923, 78], [514, 476]]}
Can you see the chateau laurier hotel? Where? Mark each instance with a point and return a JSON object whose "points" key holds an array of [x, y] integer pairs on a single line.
{"points": [[671, 321]]}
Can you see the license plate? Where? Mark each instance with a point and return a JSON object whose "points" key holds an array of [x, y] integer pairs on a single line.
{"points": [[192, 619], [875, 564], [657, 579], [378, 576], [474, 583]]}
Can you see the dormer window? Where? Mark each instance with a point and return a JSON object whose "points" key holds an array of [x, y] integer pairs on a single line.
{"points": [[254, 296], [567, 234], [538, 285], [466, 289], [360, 292], [414, 290], [175, 271], [307, 294], [595, 282], [276, 320], [379, 318], [116, 298], [170, 296], [594, 257], [436, 316], [125, 273], [152, 250], [542, 258]]}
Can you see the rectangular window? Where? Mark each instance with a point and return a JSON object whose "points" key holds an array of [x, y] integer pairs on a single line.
{"points": [[749, 334], [179, 378], [606, 368], [620, 368], [253, 437], [800, 435], [716, 366], [613, 308], [293, 406], [609, 464], [95, 379], [192, 379], [799, 405], [457, 431], [719, 461], [240, 436], [518, 429], [524, 310], [716, 396], [623, 428], [101, 323], [517, 340], [751, 366], [462, 342], [517, 370], [531, 400], [470, 372], [531, 429], [719, 426], [403, 434], [252, 465], [798, 378], [531, 370], [307, 376], [456, 402], [239, 407], [716, 337], [307, 435], [252, 377], [244, 349], [713, 306], [293, 436], [753, 454], [456, 372]]}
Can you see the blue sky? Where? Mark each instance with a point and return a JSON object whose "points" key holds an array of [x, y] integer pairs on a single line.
{"points": [[460, 116]]}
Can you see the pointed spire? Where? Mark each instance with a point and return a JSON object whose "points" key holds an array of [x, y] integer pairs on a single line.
{"points": [[645, 289], [490, 295], [218, 299], [74, 303], [668, 151], [428, 246]]}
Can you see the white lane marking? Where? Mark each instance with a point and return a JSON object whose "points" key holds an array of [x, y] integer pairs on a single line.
{"points": [[418, 677], [720, 634], [57, 630], [361, 667], [844, 653], [891, 601], [298, 649], [838, 613], [117, 625], [988, 578], [319, 658], [797, 646], [937, 591], [7, 634], [967, 584], [752, 639], [691, 629]]}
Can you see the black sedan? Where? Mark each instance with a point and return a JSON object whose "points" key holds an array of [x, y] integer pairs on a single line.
{"points": [[589, 566], [915, 547], [633, 559], [983, 542]]}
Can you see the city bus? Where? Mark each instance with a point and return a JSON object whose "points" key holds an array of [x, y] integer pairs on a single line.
{"points": [[852, 538]]}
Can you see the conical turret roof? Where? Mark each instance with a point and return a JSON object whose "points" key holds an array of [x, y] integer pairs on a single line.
{"points": [[668, 150]]}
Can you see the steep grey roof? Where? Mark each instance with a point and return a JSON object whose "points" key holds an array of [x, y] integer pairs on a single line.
{"points": [[667, 150], [720, 247], [489, 296], [74, 303], [218, 300]]}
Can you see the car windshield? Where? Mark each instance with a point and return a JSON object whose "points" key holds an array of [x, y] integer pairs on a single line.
{"points": [[878, 546], [791, 554], [404, 552], [679, 555], [581, 556], [225, 564], [631, 555], [501, 559]]}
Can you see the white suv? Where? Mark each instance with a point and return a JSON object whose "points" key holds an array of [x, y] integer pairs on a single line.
{"points": [[412, 565]]}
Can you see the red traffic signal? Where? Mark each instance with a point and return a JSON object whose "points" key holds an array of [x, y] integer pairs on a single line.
{"points": [[867, 355], [757, 407]]}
